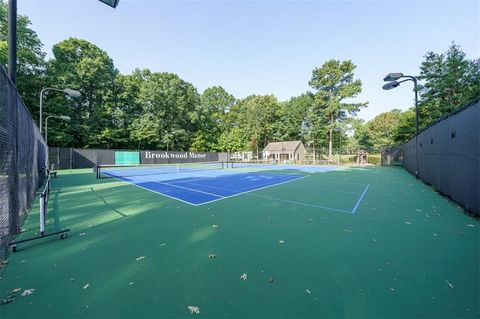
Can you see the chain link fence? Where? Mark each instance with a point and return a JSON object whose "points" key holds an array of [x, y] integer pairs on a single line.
{"points": [[23, 157]]}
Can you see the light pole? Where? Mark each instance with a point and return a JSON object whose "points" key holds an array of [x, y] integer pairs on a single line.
{"points": [[392, 79], [69, 92], [12, 36], [62, 117]]}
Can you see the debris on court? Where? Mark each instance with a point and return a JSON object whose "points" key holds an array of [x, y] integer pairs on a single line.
{"points": [[27, 292], [281, 242], [82, 234], [243, 276], [11, 296], [140, 258], [308, 291], [270, 279], [8, 299], [347, 230], [392, 289], [452, 286], [408, 223], [212, 256], [373, 239], [215, 226], [86, 286], [14, 291], [194, 310], [3, 263], [470, 225], [161, 245]]}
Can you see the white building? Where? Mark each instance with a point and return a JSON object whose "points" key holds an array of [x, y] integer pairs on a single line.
{"points": [[284, 151]]}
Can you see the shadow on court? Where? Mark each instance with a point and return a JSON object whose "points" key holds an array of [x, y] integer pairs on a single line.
{"points": [[323, 246]]}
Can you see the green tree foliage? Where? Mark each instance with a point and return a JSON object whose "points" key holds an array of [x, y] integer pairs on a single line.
{"points": [[405, 128], [293, 118], [382, 128], [258, 116], [81, 65], [335, 85], [215, 103], [451, 81], [170, 113], [30, 58]]}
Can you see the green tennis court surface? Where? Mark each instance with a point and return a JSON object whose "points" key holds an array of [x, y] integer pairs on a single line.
{"points": [[406, 252]]}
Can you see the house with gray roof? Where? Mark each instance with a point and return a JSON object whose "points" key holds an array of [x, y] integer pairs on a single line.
{"points": [[284, 151]]}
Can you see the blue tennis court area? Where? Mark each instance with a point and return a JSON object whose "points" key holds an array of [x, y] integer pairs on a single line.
{"points": [[209, 186]]}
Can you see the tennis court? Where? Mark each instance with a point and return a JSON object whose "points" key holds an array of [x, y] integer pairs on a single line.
{"points": [[202, 183], [286, 246]]}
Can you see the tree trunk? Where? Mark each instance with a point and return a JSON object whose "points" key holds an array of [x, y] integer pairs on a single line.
{"points": [[314, 154], [330, 138]]}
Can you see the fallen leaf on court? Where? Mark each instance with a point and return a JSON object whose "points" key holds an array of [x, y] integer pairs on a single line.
{"points": [[452, 286], [27, 292], [82, 234], [243, 276], [161, 245], [392, 289], [215, 226], [14, 291], [281, 242], [270, 279], [308, 291], [140, 258], [194, 310], [86, 286], [7, 300], [408, 223], [470, 225]]}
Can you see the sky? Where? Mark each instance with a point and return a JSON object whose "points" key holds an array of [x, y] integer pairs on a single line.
{"points": [[266, 47]]}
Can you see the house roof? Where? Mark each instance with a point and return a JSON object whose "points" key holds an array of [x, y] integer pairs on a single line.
{"points": [[282, 147]]}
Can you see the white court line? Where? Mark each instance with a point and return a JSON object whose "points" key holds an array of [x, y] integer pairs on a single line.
{"points": [[360, 199], [154, 191], [252, 190], [324, 189], [211, 201], [190, 189]]}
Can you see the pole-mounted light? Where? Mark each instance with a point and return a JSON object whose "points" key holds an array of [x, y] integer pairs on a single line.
{"points": [[111, 3], [392, 79]]}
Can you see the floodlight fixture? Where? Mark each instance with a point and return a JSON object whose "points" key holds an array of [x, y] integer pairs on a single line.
{"points": [[111, 3], [390, 85], [72, 93], [393, 77]]}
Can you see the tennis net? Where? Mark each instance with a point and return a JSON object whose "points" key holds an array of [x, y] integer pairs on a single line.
{"points": [[119, 171]]}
